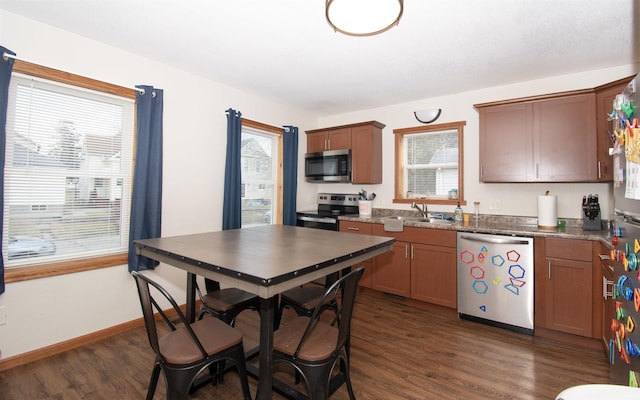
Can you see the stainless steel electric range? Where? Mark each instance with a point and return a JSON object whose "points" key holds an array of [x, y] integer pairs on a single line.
{"points": [[330, 206]]}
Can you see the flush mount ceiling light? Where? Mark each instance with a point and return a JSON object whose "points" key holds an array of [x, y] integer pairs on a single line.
{"points": [[427, 116], [363, 17]]}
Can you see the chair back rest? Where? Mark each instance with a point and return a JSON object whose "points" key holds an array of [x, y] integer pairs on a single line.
{"points": [[347, 287], [150, 306]]}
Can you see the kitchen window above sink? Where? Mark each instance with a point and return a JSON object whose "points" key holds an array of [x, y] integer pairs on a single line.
{"points": [[429, 164]]}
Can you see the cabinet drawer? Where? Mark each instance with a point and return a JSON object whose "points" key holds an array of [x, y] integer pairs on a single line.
{"points": [[569, 249], [355, 227], [435, 237]]}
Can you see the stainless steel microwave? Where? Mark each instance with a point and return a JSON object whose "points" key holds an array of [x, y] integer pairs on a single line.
{"points": [[328, 166]]}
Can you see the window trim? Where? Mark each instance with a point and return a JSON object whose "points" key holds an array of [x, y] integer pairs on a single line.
{"points": [[279, 183], [45, 270], [399, 165]]}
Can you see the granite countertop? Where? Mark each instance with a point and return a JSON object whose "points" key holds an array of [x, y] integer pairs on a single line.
{"points": [[496, 224]]}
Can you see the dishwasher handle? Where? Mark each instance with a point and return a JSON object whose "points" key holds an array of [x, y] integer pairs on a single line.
{"points": [[495, 239]]}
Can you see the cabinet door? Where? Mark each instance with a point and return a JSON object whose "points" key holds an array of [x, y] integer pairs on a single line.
{"points": [[340, 139], [506, 146], [366, 142], [569, 296], [317, 142], [604, 106], [565, 139], [364, 229], [392, 271], [433, 274]]}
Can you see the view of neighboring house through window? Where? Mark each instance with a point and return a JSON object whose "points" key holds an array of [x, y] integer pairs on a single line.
{"points": [[67, 173], [429, 164], [259, 160]]}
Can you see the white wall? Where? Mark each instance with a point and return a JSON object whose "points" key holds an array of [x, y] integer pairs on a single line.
{"points": [[45, 311], [515, 199]]}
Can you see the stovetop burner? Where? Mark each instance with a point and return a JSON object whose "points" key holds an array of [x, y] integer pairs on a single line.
{"points": [[333, 205]]}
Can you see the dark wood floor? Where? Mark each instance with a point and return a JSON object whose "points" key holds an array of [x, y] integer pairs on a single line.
{"points": [[399, 351]]}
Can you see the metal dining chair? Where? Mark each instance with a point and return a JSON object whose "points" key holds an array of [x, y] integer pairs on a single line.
{"points": [[314, 346], [304, 299], [225, 304], [188, 349]]}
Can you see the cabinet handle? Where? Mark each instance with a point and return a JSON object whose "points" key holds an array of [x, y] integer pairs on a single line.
{"points": [[549, 270], [599, 170], [406, 250], [328, 144], [412, 252], [353, 228], [481, 173], [605, 292]]}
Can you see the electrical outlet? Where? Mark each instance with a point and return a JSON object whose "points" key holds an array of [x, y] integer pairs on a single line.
{"points": [[494, 205], [3, 315]]}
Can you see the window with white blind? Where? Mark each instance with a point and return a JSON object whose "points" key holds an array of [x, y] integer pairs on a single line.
{"points": [[68, 172], [429, 167]]}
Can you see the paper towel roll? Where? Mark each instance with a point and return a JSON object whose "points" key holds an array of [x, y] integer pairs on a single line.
{"points": [[547, 211]]}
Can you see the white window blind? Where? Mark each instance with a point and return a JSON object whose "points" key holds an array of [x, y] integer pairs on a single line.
{"points": [[432, 163], [67, 173]]}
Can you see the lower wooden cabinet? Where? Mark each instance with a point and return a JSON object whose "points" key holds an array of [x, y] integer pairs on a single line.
{"points": [[433, 274], [421, 266], [364, 229], [564, 286], [392, 271]]}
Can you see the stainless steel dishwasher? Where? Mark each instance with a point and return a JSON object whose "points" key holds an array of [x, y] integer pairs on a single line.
{"points": [[495, 280]]}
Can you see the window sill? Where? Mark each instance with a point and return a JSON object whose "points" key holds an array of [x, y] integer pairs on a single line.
{"points": [[62, 268]]}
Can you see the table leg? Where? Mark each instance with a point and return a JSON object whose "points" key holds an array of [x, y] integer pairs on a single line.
{"points": [[267, 319], [191, 297]]}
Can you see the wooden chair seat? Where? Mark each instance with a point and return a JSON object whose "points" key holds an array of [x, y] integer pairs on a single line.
{"points": [[227, 299], [177, 347], [320, 346], [305, 297], [226, 304]]}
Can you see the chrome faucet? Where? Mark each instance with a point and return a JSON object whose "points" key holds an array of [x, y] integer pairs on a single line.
{"points": [[422, 210]]}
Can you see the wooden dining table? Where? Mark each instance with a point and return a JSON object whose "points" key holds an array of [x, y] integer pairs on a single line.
{"points": [[264, 260]]}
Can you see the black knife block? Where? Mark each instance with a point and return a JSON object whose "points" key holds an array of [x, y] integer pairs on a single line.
{"points": [[591, 220]]}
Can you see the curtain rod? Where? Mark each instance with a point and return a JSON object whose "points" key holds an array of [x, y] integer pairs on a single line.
{"points": [[6, 56]]}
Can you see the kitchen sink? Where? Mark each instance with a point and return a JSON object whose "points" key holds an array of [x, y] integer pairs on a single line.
{"points": [[438, 221]]}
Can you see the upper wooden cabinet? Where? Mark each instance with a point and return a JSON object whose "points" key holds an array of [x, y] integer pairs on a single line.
{"points": [[365, 141], [539, 139], [335, 139], [605, 95]]}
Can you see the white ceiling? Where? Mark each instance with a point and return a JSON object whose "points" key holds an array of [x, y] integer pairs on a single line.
{"points": [[285, 51]]}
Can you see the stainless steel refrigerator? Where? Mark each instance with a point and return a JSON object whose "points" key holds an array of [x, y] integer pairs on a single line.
{"points": [[624, 348], [495, 280]]}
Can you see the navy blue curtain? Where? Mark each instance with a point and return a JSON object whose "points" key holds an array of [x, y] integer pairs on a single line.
{"points": [[6, 65], [232, 206], [290, 174], [146, 198]]}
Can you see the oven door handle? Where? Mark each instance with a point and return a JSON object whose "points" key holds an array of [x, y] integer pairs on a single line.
{"points": [[321, 220]]}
